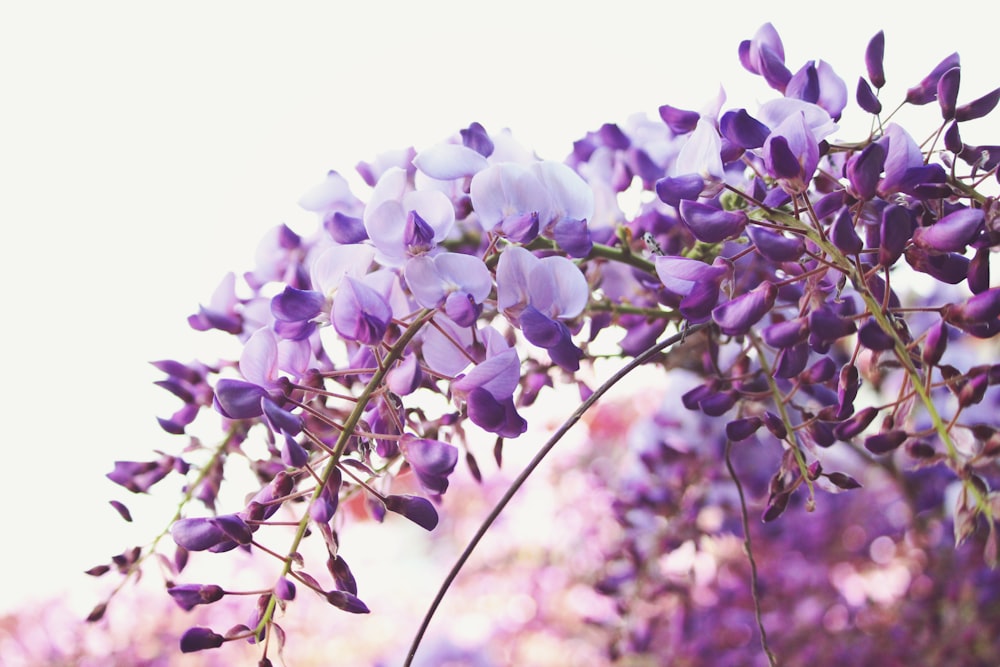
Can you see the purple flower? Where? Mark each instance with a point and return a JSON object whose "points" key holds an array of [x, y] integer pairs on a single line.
{"points": [[431, 460], [951, 233], [433, 280], [418, 510], [926, 91], [711, 224], [199, 639], [764, 54], [874, 55], [360, 313], [189, 596], [737, 316], [791, 153]]}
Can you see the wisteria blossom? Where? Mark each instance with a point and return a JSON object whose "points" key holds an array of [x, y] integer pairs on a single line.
{"points": [[819, 313]]}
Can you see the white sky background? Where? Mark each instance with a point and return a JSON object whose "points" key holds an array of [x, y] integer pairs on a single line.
{"points": [[145, 148]]}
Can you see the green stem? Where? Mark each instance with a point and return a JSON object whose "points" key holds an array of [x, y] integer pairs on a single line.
{"points": [[395, 352], [530, 468]]}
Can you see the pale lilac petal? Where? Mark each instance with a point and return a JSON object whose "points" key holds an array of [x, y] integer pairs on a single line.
{"points": [[819, 122], [259, 359], [449, 161], [334, 263], [701, 153], [499, 375], [558, 288], [464, 273], [333, 191], [440, 353], [513, 269], [507, 190], [571, 197], [424, 281]]}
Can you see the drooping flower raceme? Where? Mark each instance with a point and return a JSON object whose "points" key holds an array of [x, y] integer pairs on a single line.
{"points": [[473, 276]]}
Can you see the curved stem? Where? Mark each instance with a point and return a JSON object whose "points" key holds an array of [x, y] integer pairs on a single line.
{"points": [[530, 468]]}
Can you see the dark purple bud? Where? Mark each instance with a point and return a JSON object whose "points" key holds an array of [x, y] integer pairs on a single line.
{"points": [[342, 575], [842, 481], [293, 454], [844, 235], [855, 425], [199, 639], [829, 203], [776, 246], [775, 425], [295, 304], [347, 602], [949, 267], [864, 170], [820, 372], [874, 56], [920, 449], [935, 343], [233, 527], [197, 534], [190, 596], [98, 570], [284, 589], [236, 399], [691, 398], [97, 613], [867, 99], [711, 224], [718, 404], [883, 443], [345, 229], [741, 429], [979, 271], [979, 107], [947, 92], [980, 308], [953, 139], [476, 138], [279, 419], [735, 317], [322, 508], [431, 460], [951, 233], [672, 190], [826, 326], [775, 507], [612, 136], [791, 361], [894, 233], [926, 90], [680, 121], [742, 129], [847, 390], [873, 337], [786, 334], [418, 510], [821, 433], [973, 390], [122, 510]]}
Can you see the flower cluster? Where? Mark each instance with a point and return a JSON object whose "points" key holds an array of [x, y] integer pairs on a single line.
{"points": [[830, 283]]}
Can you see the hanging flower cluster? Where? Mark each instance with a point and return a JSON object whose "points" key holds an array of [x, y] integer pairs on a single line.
{"points": [[477, 274]]}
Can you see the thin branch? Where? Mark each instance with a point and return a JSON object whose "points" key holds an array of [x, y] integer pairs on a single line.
{"points": [[519, 481]]}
